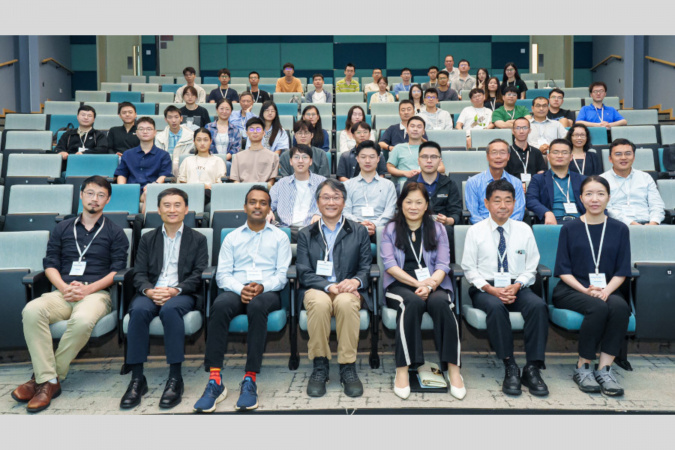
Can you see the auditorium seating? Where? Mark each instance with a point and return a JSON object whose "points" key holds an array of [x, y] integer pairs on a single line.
{"points": [[465, 161], [481, 138], [91, 96], [25, 121], [37, 207], [448, 139], [31, 169]]}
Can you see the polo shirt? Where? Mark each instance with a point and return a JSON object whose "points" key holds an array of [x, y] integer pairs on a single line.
{"points": [[516, 113], [142, 168], [343, 86], [431, 188], [396, 134], [590, 113]]}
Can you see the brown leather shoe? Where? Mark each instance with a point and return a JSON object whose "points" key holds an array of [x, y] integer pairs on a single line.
{"points": [[43, 396], [26, 391]]}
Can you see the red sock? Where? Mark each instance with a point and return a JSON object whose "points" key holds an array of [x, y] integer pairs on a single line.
{"points": [[215, 375], [250, 375]]}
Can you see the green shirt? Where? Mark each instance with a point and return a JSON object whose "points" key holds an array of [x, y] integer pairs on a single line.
{"points": [[502, 114], [404, 157], [343, 86]]}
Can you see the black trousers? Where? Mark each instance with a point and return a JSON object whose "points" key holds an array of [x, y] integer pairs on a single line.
{"points": [[605, 323], [141, 313], [534, 311], [409, 310], [226, 307]]}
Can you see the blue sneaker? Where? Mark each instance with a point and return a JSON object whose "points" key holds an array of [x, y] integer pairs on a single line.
{"points": [[248, 398], [213, 394]]}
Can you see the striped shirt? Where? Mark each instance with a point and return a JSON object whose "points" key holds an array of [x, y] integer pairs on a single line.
{"points": [[283, 195], [343, 86]]}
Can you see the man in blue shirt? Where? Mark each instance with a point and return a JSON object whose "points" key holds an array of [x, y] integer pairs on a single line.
{"points": [[597, 114], [239, 118], [405, 85], [498, 153], [146, 163], [252, 268]]}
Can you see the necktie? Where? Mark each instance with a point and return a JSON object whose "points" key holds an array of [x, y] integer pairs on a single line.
{"points": [[502, 249]]}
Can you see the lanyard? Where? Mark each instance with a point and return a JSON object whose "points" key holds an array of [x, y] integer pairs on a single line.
{"points": [[77, 244], [583, 166], [409, 150], [590, 241], [527, 158], [627, 190], [226, 91], [257, 96], [412, 247], [329, 249], [513, 113], [85, 137], [165, 265], [567, 195], [601, 116]]}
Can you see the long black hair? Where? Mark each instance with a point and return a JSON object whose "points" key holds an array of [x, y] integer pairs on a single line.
{"points": [[401, 226], [276, 123], [317, 140]]}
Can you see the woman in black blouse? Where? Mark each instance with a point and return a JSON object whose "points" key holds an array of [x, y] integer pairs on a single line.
{"points": [[511, 77], [583, 162], [593, 260]]}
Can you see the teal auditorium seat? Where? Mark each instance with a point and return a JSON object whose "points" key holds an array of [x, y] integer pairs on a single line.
{"points": [[598, 136], [170, 88], [35, 207], [25, 121], [58, 121], [120, 96], [287, 109], [342, 109], [107, 122], [158, 97], [349, 97], [527, 103], [286, 97], [91, 96], [146, 109], [465, 161], [382, 122], [531, 94], [57, 107], [269, 88], [123, 206], [341, 122], [103, 108], [481, 138], [81, 167], [31, 169]]}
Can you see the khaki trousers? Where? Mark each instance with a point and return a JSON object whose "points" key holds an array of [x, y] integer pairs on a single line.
{"points": [[320, 307], [51, 308]]}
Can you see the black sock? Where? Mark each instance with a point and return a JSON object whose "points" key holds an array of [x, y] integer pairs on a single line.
{"points": [[136, 370], [175, 371], [510, 362]]}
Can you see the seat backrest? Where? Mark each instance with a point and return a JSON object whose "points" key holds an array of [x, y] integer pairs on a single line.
{"points": [[23, 249], [30, 165], [195, 192], [54, 107], [403, 95], [580, 92], [342, 109], [88, 165], [534, 93], [325, 111], [598, 135], [652, 244], [145, 87], [133, 79], [106, 122], [644, 159], [91, 96], [146, 109], [161, 79], [454, 107], [287, 109], [349, 97], [641, 134], [667, 134], [285, 97], [25, 121], [448, 138], [110, 87], [572, 103], [124, 198], [481, 138], [640, 116], [158, 97], [104, 108], [464, 161], [28, 140], [230, 196], [384, 121], [30, 199], [341, 123], [287, 124], [667, 191], [383, 108], [57, 121], [546, 237], [122, 96]]}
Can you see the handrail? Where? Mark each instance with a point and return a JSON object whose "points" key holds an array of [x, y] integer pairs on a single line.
{"points": [[58, 64], [660, 61], [606, 61], [9, 63]]}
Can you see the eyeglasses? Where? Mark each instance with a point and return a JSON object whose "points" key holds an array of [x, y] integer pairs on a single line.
{"points": [[368, 157], [430, 157], [511, 69], [521, 128], [301, 158], [598, 91], [555, 97], [92, 194], [145, 130], [431, 97], [303, 133], [255, 129], [578, 136], [502, 153], [310, 114], [224, 76], [620, 154], [560, 153], [328, 198]]}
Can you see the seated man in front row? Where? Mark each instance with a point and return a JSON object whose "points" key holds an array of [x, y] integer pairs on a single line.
{"points": [[500, 263], [333, 263], [81, 294], [555, 195], [252, 268], [167, 277]]}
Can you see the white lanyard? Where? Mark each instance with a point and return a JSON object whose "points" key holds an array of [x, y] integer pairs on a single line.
{"points": [[513, 112], [583, 166], [527, 158], [257, 97], [567, 195], [225, 94], [626, 190], [409, 150], [493, 103], [257, 247], [165, 265], [329, 249], [412, 247], [590, 241], [77, 244], [601, 116]]}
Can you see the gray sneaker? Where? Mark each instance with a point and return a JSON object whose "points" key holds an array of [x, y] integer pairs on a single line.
{"points": [[607, 381], [584, 378]]}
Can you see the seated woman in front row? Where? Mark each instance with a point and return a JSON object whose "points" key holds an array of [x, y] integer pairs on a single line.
{"points": [[202, 167], [593, 260], [416, 258]]}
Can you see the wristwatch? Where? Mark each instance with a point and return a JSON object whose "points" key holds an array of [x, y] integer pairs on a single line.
{"points": [[430, 288]]}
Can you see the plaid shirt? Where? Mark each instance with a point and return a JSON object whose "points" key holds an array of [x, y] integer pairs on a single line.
{"points": [[234, 145], [283, 195]]}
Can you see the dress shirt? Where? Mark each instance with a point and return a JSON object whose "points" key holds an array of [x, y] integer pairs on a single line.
{"points": [[169, 275], [481, 255], [637, 192], [283, 194], [379, 194], [330, 236], [545, 132], [562, 193], [269, 250], [475, 193], [439, 120], [142, 168], [174, 138]]}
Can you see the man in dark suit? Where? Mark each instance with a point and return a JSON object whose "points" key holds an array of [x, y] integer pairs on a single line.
{"points": [[333, 264], [167, 277], [554, 195]]}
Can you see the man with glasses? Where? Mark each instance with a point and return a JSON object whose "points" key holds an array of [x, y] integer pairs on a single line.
{"points": [[433, 78], [177, 138], [555, 111], [348, 84], [288, 83], [445, 92], [256, 164], [224, 90], [371, 199], [597, 114], [498, 152], [525, 160], [239, 118], [84, 138], [476, 116], [348, 166], [544, 130], [372, 87], [464, 81], [635, 198], [303, 132], [190, 75], [554, 196], [318, 95], [81, 292], [146, 163], [504, 116], [435, 118], [259, 96], [333, 264]]}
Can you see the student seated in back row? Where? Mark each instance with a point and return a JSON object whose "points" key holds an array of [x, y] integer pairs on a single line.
{"points": [[122, 138], [190, 74], [84, 138], [194, 116], [318, 95], [203, 167], [224, 90], [176, 139], [256, 163]]}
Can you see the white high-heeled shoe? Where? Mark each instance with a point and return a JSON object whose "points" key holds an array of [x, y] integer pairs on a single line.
{"points": [[458, 393], [404, 392]]}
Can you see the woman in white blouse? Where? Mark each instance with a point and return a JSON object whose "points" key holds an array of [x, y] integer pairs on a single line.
{"points": [[203, 167]]}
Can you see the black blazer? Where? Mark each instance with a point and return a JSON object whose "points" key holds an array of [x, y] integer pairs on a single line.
{"points": [[351, 257], [193, 258], [540, 193]]}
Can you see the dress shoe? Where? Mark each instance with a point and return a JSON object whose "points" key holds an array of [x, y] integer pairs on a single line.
{"points": [[25, 391], [458, 393], [132, 397], [511, 384], [173, 393], [532, 379], [44, 394]]}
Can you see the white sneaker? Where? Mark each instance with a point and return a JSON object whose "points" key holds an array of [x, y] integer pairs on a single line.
{"points": [[403, 392], [458, 393]]}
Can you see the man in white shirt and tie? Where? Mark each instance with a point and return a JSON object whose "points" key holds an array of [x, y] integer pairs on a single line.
{"points": [[500, 264]]}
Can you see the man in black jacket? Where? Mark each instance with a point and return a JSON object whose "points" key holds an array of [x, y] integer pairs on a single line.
{"points": [[122, 138], [167, 276], [84, 138], [333, 264]]}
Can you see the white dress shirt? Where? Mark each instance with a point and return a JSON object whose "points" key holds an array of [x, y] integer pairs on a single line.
{"points": [[481, 255], [379, 194], [545, 132], [169, 275], [634, 198]]}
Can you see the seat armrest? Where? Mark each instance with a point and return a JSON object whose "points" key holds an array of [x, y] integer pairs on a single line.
{"points": [[170, 180], [292, 273], [123, 275], [374, 271], [36, 284], [203, 219], [466, 215], [209, 273], [634, 272], [544, 271], [33, 277], [457, 270], [60, 218]]}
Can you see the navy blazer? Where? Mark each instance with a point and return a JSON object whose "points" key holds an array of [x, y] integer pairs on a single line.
{"points": [[539, 196]]}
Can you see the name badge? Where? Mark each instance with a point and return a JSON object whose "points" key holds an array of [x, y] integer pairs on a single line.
{"points": [[367, 211], [82, 149], [422, 274], [78, 268], [254, 275], [502, 279], [162, 283], [324, 268], [525, 177], [598, 280], [628, 211], [570, 208]]}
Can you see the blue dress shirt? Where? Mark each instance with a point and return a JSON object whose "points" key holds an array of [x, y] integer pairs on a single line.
{"points": [[475, 194]]}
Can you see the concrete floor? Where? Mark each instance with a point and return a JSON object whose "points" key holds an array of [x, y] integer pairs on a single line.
{"points": [[94, 386]]}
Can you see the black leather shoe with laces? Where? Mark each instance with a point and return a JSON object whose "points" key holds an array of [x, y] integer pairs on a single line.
{"points": [[511, 384]]}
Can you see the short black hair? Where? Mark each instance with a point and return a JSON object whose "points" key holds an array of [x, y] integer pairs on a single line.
{"points": [[556, 91], [255, 121], [463, 60], [499, 185], [363, 124], [405, 102], [224, 72], [171, 108], [191, 89], [597, 179], [202, 130], [303, 124], [189, 70], [350, 65], [368, 144], [539, 98], [424, 124], [444, 72], [224, 100], [98, 181], [620, 141], [405, 69], [124, 105], [301, 148], [317, 75], [334, 185], [475, 91], [87, 108], [508, 89], [287, 65], [246, 93], [560, 141], [253, 73], [597, 83], [147, 119], [431, 144], [431, 91], [172, 191], [258, 187], [432, 68]]}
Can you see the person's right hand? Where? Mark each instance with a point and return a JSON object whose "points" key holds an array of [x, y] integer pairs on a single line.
{"points": [[333, 289], [422, 292], [502, 294], [549, 219]]}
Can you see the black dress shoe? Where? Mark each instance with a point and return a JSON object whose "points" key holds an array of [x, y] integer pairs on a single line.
{"points": [[511, 384], [173, 393], [138, 387], [532, 379]]}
